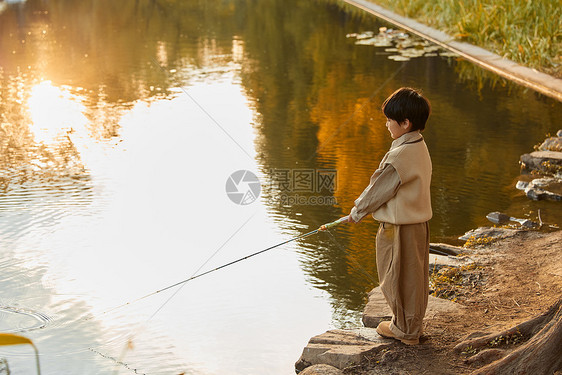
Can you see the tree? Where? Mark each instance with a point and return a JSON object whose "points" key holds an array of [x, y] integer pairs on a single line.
{"points": [[541, 354]]}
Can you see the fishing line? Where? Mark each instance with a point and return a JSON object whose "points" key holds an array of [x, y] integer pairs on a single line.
{"points": [[324, 227], [201, 266], [182, 282]]}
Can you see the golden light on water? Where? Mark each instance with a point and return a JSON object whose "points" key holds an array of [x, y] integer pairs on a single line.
{"points": [[54, 112], [145, 185], [120, 123], [161, 54]]}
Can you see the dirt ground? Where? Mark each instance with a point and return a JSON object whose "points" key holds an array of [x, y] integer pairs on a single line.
{"points": [[514, 280]]}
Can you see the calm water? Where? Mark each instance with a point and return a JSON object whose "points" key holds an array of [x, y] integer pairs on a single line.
{"points": [[120, 125]]}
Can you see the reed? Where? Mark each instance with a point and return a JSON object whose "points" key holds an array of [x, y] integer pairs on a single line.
{"points": [[526, 31]]}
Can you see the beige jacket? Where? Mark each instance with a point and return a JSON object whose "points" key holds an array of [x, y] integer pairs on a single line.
{"points": [[399, 192]]}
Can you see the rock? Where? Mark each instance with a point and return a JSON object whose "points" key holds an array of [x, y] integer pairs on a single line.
{"points": [[543, 161], [521, 185], [552, 144], [340, 349], [437, 262], [377, 309], [547, 162], [321, 370], [440, 305], [446, 248], [498, 218], [489, 233], [546, 188], [502, 219]]}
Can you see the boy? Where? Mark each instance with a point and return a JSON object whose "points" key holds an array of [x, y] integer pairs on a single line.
{"points": [[398, 197]]}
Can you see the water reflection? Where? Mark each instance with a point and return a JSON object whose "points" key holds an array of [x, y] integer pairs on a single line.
{"points": [[121, 122], [320, 109]]}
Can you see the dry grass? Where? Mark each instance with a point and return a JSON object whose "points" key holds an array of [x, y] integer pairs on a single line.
{"points": [[528, 32]]}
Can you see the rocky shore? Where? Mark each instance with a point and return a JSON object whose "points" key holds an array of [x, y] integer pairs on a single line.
{"points": [[542, 170], [507, 281], [504, 274]]}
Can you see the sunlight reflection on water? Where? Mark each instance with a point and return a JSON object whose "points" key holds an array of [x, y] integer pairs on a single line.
{"points": [[54, 112], [140, 229], [116, 147]]}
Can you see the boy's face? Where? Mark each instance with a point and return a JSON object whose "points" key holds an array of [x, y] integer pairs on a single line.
{"points": [[398, 129]]}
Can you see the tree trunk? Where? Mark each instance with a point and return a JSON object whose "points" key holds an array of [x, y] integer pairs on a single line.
{"points": [[542, 354]]}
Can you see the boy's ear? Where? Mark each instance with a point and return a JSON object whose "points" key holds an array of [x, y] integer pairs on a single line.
{"points": [[406, 124]]}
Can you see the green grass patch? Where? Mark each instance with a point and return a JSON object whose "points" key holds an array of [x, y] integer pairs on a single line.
{"points": [[525, 31]]}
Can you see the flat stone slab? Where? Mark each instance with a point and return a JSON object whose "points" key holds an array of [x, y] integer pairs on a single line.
{"points": [[321, 370], [548, 188], [535, 160], [552, 143], [377, 309], [489, 232], [439, 261], [341, 348], [446, 248], [440, 306]]}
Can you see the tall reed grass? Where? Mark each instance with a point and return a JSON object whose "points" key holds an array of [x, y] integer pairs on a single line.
{"points": [[525, 31]]}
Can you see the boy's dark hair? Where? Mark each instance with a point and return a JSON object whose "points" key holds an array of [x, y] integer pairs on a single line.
{"points": [[407, 103]]}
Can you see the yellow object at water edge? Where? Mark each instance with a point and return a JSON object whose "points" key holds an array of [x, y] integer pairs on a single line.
{"points": [[11, 339]]}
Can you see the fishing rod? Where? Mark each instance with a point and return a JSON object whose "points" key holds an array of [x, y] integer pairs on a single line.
{"points": [[321, 228]]}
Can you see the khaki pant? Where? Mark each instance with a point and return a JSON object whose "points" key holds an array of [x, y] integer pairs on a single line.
{"points": [[403, 268]]}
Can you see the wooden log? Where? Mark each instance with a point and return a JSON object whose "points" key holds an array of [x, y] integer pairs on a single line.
{"points": [[441, 248]]}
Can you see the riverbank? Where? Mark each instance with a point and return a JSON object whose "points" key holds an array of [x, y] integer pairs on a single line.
{"points": [[525, 32], [501, 277], [511, 281], [546, 84]]}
